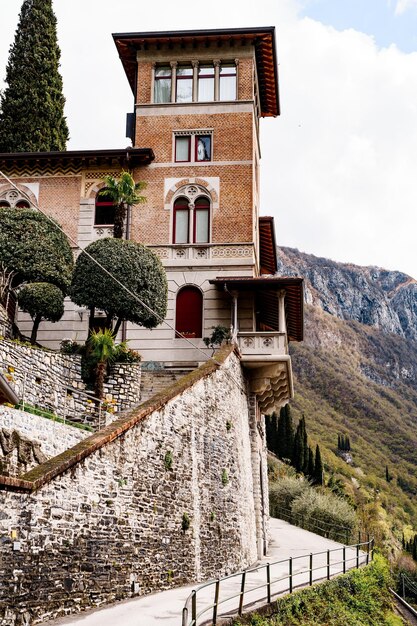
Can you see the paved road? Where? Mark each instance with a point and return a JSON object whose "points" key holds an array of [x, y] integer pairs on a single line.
{"points": [[165, 608]]}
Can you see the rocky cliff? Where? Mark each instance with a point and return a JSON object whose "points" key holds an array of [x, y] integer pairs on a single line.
{"points": [[356, 373], [373, 296]]}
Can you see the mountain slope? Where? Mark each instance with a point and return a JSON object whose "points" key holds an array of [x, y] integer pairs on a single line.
{"points": [[359, 379], [370, 295]]}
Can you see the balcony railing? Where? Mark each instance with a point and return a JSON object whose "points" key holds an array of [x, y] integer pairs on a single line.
{"points": [[202, 252], [262, 343]]}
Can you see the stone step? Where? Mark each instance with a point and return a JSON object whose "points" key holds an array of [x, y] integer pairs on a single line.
{"points": [[154, 382]]}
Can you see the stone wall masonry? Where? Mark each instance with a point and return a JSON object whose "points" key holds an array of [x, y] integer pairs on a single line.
{"points": [[52, 381], [38, 434], [5, 325], [159, 498]]}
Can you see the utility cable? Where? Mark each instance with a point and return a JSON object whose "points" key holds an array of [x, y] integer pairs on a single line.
{"points": [[117, 281]]}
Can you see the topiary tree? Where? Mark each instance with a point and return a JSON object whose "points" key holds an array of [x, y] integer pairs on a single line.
{"points": [[136, 267], [42, 301], [33, 249], [32, 104], [123, 193]]}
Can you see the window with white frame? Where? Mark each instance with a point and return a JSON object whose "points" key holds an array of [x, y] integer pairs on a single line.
{"points": [[192, 147], [195, 82], [162, 91], [191, 220]]}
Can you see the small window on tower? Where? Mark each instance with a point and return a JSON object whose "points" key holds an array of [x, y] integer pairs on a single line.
{"points": [[162, 91], [182, 148], [203, 148]]}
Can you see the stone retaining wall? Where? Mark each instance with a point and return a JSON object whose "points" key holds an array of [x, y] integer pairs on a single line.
{"points": [[52, 381], [27, 440], [161, 497], [5, 325]]}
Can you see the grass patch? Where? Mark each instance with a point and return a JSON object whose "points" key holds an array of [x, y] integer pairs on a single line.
{"points": [[51, 416], [359, 598]]}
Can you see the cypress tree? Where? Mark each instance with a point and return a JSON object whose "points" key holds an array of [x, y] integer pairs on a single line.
{"points": [[271, 432], [281, 434], [285, 433], [310, 471], [298, 452], [32, 104], [305, 445], [318, 467]]}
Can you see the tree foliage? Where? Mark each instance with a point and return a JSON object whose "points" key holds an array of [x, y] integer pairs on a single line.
{"points": [[34, 249], [104, 351], [124, 192], [42, 301], [136, 267], [32, 104]]}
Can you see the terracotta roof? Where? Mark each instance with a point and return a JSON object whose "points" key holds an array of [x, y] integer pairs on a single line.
{"points": [[263, 39], [267, 247], [128, 157], [266, 289]]}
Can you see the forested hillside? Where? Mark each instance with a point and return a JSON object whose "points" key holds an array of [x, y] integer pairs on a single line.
{"points": [[360, 380]]}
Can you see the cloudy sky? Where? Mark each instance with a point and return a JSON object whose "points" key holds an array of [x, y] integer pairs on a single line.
{"points": [[339, 164]]}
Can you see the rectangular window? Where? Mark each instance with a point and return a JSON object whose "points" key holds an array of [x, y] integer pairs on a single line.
{"points": [[181, 225], [228, 81], [184, 84], [162, 84], [206, 83], [104, 214], [203, 148], [201, 225], [183, 149]]}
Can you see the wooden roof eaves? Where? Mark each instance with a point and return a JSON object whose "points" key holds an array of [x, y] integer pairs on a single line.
{"points": [[263, 40]]}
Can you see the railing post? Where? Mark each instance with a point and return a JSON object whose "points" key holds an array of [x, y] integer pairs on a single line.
{"points": [[367, 551], [328, 564], [193, 608], [311, 568], [344, 560], [290, 573], [268, 583], [242, 592], [357, 556], [216, 601], [372, 548], [185, 616]]}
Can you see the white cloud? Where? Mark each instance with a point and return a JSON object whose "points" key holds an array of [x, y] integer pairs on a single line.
{"points": [[404, 5]]}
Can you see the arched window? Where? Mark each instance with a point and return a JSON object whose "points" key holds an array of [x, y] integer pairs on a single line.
{"points": [[181, 221], [191, 222], [4, 204], [104, 212], [201, 220], [22, 204], [189, 312]]}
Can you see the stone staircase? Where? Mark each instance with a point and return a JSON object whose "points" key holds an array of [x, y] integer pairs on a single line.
{"points": [[154, 382]]}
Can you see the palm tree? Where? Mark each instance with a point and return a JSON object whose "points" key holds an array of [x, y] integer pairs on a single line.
{"points": [[124, 193], [104, 351]]}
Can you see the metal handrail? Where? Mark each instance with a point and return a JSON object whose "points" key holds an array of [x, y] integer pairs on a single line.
{"points": [[191, 604]]}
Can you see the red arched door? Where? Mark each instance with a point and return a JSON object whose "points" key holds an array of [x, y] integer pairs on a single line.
{"points": [[189, 312]]}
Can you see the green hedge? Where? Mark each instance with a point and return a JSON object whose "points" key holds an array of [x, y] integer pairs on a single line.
{"points": [[326, 514]]}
